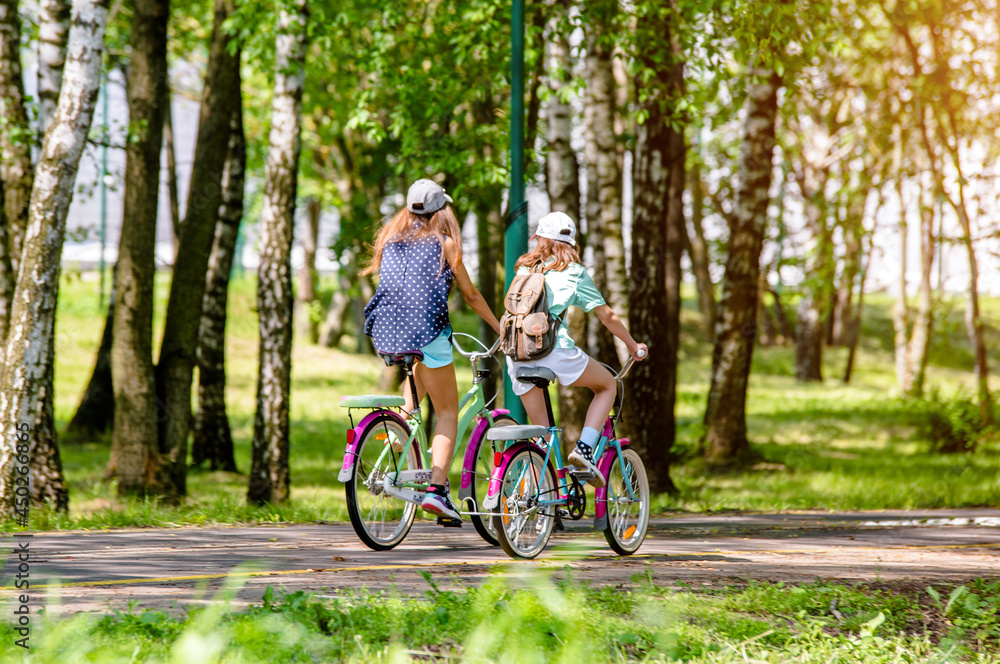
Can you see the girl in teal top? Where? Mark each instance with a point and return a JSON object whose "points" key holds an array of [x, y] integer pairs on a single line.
{"points": [[568, 284]]}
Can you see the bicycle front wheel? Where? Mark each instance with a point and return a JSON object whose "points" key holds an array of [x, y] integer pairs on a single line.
{"points": [[523, 524], [381, 520], [628, 502], [481, 475]]}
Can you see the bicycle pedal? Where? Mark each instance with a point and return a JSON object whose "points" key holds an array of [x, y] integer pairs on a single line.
{"points": [[558, 527], [449, 522]]}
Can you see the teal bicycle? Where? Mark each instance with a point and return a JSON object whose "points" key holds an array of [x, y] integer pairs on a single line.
{"points": [[387, 462], [532, 490]]}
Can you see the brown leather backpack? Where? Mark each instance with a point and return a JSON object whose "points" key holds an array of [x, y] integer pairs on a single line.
{"points": [[527, 328]]}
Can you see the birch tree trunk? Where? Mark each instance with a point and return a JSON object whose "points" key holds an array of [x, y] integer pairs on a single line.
{"points": [[604, 174], [697, 249], [269, 475], [30, 341], [16, 172], [657, 245], [8, 279], [138, 462], [213, 440], [923, 321], [725, 415], [307, 278], [901, 309], [562, 179], [53, 29], [178, 353]]}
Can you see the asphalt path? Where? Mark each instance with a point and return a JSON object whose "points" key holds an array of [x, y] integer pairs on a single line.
{"points": [[174, 568]]}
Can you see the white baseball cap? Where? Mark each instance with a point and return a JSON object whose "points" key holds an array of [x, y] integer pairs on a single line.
{"points": [[557, 226], [426, 197]]}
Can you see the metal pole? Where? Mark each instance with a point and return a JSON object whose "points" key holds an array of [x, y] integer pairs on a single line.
{"points": [[516, 234], [104, 184]]}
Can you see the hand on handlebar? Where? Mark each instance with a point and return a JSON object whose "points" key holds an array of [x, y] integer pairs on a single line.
{"points": [[640, 352]]}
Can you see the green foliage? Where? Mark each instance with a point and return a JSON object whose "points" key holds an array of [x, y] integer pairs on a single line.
{"points": [[952, 424]]}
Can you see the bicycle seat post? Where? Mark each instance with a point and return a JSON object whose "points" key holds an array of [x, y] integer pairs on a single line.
{"points": [[413, 390]]}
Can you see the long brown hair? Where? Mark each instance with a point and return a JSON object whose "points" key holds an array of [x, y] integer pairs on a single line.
{"points": [[406, 225], [545, 249]]}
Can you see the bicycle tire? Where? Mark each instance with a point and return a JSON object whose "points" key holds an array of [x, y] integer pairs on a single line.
{"points": [[481, 475], [381, 521], [519, 489], [627, 518]]}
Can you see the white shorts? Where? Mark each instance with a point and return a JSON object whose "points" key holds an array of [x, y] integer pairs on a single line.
{"points": [[568, 364]]}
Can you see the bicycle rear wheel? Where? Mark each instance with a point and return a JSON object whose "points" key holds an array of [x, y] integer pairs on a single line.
{"points": [[628, 511], [481, 475], [523, 526], [381, 520]]}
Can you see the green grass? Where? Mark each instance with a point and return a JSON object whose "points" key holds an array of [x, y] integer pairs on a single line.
{"points": [[826, 446], [531, 617]]}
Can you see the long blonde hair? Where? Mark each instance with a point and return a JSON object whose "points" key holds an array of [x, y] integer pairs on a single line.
{"points": [[406, 225], [546, 249]]}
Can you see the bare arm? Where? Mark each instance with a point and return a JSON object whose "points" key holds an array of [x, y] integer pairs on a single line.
{"points": [[610, 320], [468, 289]]}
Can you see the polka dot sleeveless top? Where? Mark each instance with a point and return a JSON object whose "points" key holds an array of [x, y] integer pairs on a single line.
{"points": [[410, 306]]}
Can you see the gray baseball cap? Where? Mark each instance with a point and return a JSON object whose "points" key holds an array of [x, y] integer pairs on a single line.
{"points": [[426, 197]]}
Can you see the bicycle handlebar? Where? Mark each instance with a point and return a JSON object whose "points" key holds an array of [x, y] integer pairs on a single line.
{"points": [[628, 365], [474, 355]]}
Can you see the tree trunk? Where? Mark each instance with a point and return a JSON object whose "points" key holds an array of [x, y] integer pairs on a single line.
{"points": [[562, 179], [604, 176], [336, 315], [16, 171], [269, 477], [213, 440], [96, 411], [697, 249], [53, 29], [814, 305], [854, 329], [174, 197], [138, 463], [920, 335], [901, 309], [725, 415], [844, 303], [28, 360], [307, 281], [8, 279], [657, 244], [178, 352]]}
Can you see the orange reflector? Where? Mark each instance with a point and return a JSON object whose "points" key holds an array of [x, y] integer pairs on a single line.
{"points": [[629, 532], [381, 436]]}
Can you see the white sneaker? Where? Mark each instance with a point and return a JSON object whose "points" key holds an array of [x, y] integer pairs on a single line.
{"points": [[583, 457]]}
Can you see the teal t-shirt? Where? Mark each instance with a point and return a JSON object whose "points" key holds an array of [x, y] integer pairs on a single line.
{"points": [[569, 287]]}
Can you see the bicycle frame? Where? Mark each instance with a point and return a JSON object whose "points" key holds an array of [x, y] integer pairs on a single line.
{"points": [[472, 407], [607, 442]]}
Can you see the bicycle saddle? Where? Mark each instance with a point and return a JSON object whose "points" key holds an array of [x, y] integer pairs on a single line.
{"points": [[539, 376], [406, 358], [516, 432]]}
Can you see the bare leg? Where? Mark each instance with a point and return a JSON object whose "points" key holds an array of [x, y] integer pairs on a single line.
{"points": [[600, 380], [441, 385], [534, 406]]}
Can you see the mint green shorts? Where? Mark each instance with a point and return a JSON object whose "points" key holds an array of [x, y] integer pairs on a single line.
{"points": [[439, 353]]}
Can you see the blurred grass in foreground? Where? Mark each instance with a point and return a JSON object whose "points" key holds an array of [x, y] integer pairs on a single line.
{"points": [[530, 617]]}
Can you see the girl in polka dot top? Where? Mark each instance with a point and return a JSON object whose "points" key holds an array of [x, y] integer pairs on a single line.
{"points": [[418, 255]]}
